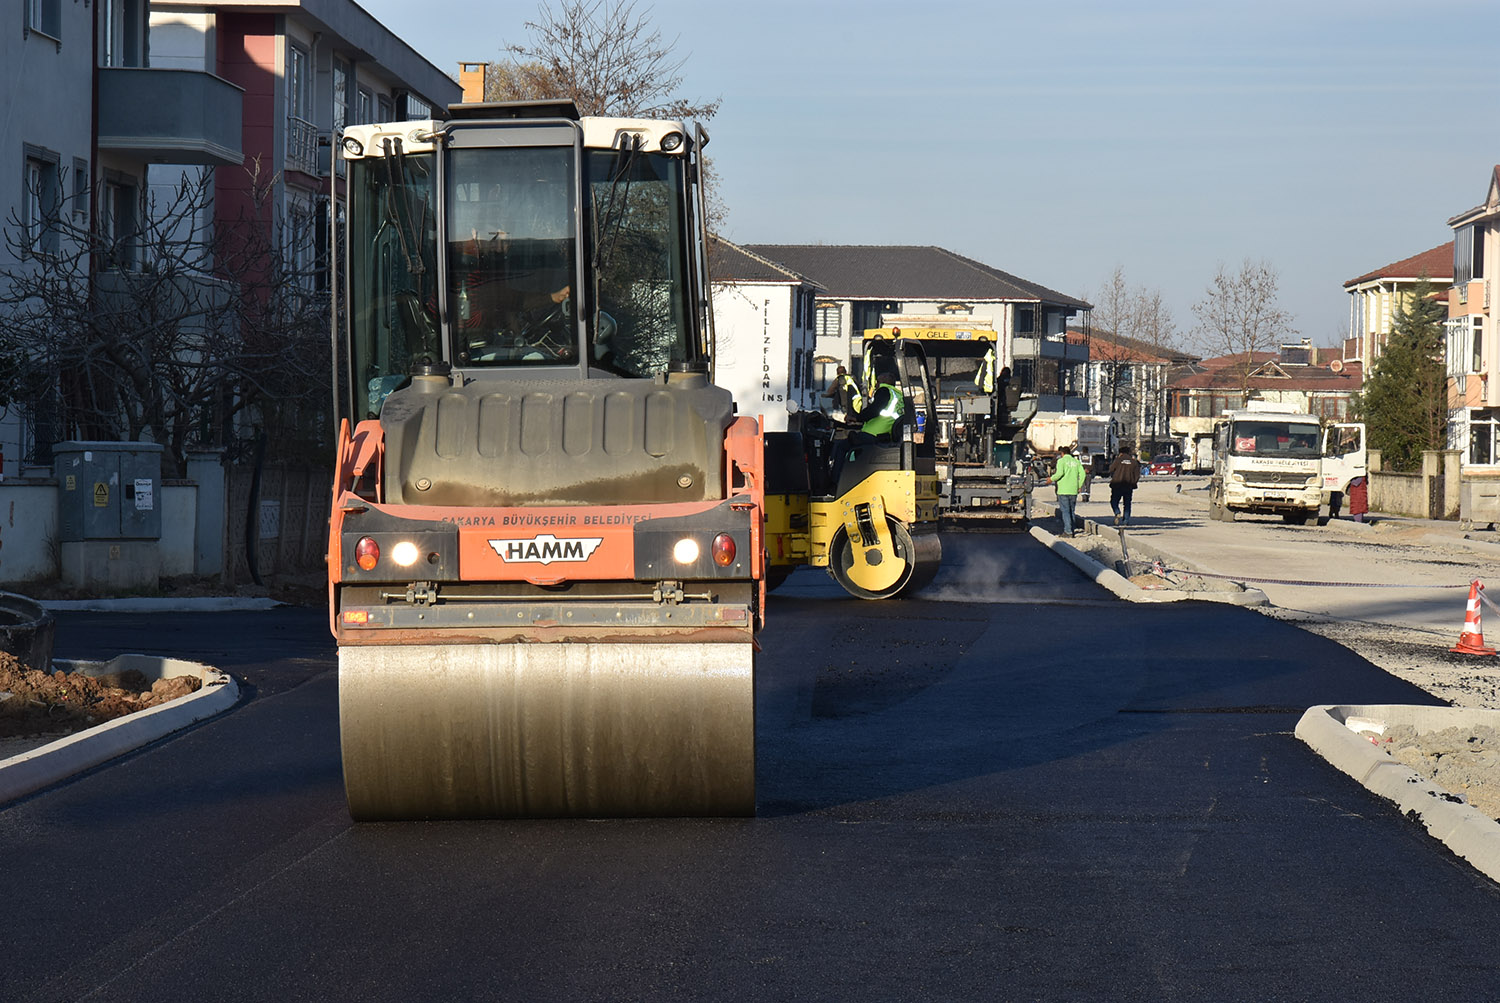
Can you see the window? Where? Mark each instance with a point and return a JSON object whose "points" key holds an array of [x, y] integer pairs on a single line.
{"points": [[1482, 437], [1477, 358], [44, 17], [40, 199], [124, 27], [118, 231], [383, 108], [80, 192], [1468, 255], [301, 132], [364, 106], [797, 369], [1025, 320], [828, 320], [414, 109], [298, 83], [301, 243]]}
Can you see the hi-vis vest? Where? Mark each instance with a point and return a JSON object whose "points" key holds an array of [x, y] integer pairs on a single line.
{"points": [[985, 378], [856, 401], [886, 416]]}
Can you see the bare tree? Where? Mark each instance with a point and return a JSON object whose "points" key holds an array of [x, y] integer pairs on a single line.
{"points": [[155, 321], [1239, 315], [1132, 327], [607, 57], [513, 81]]}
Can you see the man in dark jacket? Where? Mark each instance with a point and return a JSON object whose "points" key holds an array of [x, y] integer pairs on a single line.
{"points": [[1124, 475]]}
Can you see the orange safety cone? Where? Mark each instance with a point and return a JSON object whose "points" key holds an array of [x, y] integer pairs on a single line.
{"points": [[1471, 641]]}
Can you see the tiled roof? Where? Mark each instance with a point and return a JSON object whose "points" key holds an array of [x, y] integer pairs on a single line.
{"points": [[1116, 347], [1225, 374], [1436, 263], [730, 261], [887, 272]]}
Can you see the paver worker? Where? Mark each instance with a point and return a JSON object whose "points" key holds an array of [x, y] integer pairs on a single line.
{"points": [[845, 394], [1068, 478], [984, 379], [1124, 475]]}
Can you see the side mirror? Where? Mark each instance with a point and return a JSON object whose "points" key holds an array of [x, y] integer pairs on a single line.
{"points": [[792, 407]]}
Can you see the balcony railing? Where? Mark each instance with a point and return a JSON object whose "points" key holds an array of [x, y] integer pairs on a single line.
{"points": [[302, 145]]}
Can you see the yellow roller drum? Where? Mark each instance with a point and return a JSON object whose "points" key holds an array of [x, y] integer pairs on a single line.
{"points": [[547, 730]]}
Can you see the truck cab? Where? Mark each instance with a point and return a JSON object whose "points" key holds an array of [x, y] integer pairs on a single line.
{"points": [[1271, 461]]}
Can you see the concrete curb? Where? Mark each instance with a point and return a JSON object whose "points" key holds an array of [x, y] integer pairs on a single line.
{"points": [[1465, 830], [41, 767], [1125, 589], [196, 604]]}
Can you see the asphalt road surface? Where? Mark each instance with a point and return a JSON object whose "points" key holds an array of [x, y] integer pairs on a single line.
{"points": [[978, 796]]}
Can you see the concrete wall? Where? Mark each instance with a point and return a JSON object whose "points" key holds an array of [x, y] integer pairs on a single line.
{"points": [[28, 531], [29, 548], [179, 513], [1431, 493]]}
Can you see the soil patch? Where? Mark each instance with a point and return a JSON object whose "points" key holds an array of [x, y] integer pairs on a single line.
{"points": [[1464, 761], [59, 703]]}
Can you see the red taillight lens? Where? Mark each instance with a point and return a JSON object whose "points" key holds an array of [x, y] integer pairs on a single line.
{"points": [[723, 550], [367, 553]]}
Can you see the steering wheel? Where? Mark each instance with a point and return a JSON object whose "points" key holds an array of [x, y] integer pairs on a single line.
{"points": [[551, 333]]}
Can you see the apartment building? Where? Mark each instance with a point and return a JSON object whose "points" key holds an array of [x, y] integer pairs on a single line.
{"points": [[307, 68], [88, 116], [1377, 296], [1472, 358]]}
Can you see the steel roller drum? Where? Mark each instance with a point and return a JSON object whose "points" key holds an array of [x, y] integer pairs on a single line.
{"points": [[547, 730], [927, 554]]}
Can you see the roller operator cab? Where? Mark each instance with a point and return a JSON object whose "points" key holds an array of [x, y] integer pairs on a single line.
{"points": [[545, 553]]}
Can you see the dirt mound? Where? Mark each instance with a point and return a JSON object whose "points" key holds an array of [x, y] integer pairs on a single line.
{"points": [[47, 703]]}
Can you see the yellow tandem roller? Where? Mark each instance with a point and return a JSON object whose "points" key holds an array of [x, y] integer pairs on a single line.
{"points": [[547, 730]]}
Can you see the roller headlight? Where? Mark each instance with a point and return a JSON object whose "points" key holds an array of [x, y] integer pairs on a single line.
{"points": [[405, 553], [686, 551]]}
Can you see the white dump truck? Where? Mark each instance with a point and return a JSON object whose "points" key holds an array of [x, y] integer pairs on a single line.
{"points": [[1051, 432], [1271, 461]]}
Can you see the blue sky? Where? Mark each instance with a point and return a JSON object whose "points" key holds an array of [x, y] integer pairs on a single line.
{"points": [[1327, 137]]}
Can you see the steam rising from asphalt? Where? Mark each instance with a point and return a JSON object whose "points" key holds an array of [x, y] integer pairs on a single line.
{"points": [[972, 575]]}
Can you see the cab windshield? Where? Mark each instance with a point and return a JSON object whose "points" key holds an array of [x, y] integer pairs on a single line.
{"points": [[512, 256], [637, 213], [1275, 438], [515, 273]]}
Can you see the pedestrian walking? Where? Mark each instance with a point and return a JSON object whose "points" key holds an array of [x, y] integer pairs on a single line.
{"points": [[1068, 478], [1124, 475]]}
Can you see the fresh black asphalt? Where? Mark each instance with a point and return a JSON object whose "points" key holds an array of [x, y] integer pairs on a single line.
{"points": [[1064, 799]]}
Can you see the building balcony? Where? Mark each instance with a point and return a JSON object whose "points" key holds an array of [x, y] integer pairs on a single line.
{"points": [[1033, 347], [170, 116]]}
